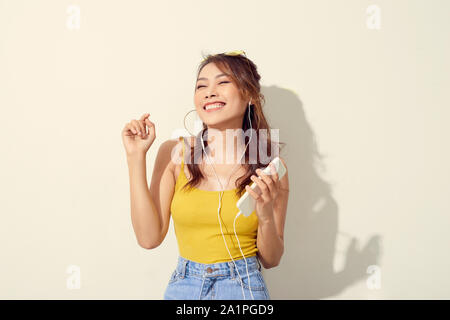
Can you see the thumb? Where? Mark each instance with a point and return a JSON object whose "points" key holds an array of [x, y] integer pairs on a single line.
{"points": [[151, 126]]}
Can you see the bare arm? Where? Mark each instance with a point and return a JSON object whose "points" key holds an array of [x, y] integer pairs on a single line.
{"points": [[270, 239], [150, 207]]}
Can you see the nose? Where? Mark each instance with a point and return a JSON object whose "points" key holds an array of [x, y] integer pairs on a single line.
{"points": [[209, 96], [211, 92]]}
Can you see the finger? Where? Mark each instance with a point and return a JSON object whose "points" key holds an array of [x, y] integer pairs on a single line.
{"points": [[151, 127], [252, 193], [140, 127], [262, 186], [275, 178], [274, 173], [142, 120], [130, 128], [135, 126], [144, 130], [267, 179], [145, 115]]}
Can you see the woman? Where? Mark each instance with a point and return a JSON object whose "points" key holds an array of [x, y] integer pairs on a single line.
{"points": [[194, 183]]}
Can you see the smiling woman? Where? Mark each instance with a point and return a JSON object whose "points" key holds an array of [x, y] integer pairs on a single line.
{"points": [[225, 87], [201, 197], [232, 80]]}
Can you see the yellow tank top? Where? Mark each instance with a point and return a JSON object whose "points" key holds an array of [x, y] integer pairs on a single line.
{"points": [[197, 228]]}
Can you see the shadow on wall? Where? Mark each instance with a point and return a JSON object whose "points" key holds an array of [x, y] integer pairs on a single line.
{"points": [[306, 270]]}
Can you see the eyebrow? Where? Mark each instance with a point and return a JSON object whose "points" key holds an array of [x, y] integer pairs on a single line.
{"points": [[219, 75]]}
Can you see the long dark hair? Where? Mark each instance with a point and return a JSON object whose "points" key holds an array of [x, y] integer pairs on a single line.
{"points": [[247, 80]]}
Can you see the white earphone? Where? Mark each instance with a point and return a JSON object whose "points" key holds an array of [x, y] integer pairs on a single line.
{"points": [[239, 213]]}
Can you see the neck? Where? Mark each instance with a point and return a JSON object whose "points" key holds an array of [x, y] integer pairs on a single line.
{"points": [[225, 145]]}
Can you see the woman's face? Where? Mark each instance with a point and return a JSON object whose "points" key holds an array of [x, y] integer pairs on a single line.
{"points": [[212, 85]]}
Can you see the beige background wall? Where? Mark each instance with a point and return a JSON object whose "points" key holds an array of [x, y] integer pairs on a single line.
{"points": [[363, 111]]}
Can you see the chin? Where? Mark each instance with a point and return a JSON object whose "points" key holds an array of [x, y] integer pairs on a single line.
{"points": [[215, 124]]}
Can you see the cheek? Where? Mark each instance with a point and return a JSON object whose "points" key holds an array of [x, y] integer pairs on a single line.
{"points": [[196, 99], [230, 91], [198, 105]]}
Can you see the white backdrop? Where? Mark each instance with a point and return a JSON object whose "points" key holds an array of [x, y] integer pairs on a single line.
{"points": [[357, 89]]}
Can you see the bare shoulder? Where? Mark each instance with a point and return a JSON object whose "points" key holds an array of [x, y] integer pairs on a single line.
{"points": [[173, 148]]}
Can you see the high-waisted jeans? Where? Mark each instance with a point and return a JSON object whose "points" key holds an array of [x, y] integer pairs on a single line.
{"points": [[197, 281]]}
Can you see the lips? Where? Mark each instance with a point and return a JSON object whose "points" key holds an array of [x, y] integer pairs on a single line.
{"points": [[212, 102], [214, 109]]}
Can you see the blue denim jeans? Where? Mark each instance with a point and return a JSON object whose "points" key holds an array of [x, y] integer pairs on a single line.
{"points": [[197, 281]]}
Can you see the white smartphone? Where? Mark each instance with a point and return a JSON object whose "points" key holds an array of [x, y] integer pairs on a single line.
{"points": [[246, 204]]}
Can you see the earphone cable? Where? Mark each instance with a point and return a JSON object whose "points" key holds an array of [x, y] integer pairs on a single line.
{"points": [[220, 205]]}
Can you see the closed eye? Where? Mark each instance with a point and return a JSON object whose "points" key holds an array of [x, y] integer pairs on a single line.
{"points": [[219, 83]]}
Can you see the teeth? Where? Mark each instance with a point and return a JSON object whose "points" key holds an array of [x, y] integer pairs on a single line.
{"points": [[213, 106]]}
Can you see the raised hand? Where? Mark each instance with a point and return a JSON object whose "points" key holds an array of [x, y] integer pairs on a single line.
{"points": [[138, 135]]}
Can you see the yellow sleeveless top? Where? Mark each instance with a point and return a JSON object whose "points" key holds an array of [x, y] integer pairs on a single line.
{"points": [[197, 228]]}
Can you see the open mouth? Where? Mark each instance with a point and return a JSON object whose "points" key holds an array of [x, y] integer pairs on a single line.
{"points": [[214, 107]]}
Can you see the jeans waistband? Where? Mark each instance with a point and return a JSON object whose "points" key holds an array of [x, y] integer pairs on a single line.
{"points": [[187, 267]]}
